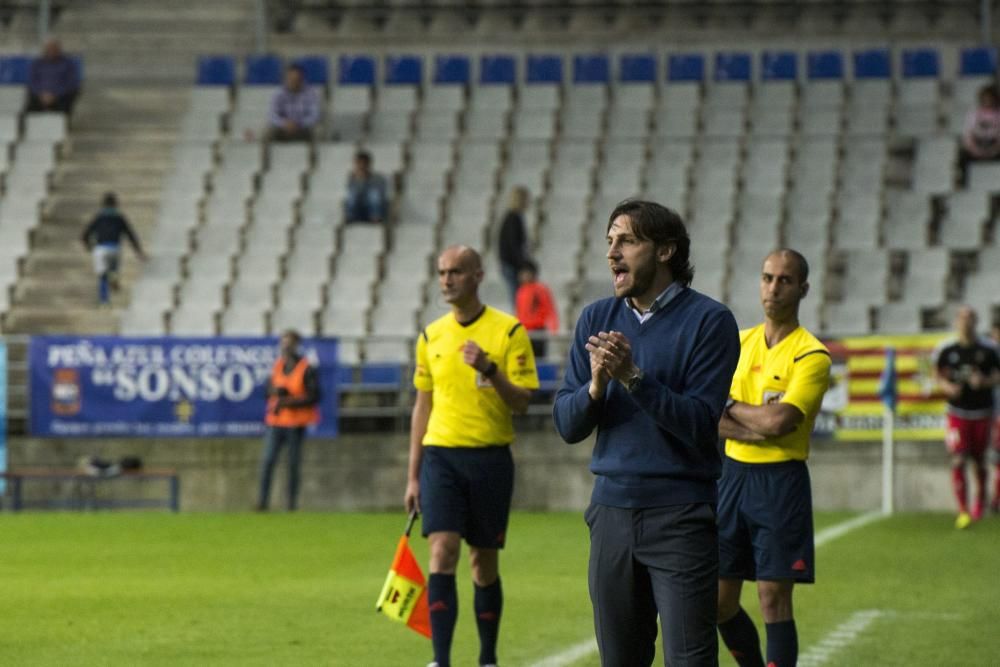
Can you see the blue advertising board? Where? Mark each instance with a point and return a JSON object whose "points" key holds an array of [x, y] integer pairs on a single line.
{"points": [[163, 387]]}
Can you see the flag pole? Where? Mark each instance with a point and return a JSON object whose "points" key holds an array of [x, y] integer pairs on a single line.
{"points": [[889, 395], [409, 522], [888, 457]]}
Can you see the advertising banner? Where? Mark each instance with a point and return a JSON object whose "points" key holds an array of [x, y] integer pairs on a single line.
{"points": [[163, 387], [852, 409]]}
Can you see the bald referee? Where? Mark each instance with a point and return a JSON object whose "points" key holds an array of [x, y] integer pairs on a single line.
{"points": [[765, 499], [474, 368]]}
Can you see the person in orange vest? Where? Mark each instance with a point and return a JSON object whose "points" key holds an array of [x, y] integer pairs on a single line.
{"points": [[535, 307], [292, 404]]}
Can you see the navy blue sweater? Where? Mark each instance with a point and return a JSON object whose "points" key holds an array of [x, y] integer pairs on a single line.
{"points": [[658, 445]]}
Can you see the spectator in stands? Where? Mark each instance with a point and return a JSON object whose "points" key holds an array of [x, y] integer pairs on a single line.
{"points": [[366, 200], [295, 108], [102, 238], [513, 242], [981, 138], [53, 81], [293, 397], [535, 307]]}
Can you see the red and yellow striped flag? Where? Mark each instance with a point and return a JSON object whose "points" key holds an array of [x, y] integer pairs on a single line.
{"points": [[404, 595]]}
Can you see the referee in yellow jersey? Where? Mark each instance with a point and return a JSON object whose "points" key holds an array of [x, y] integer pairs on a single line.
{"points": [[474, 368], [765, 500]]}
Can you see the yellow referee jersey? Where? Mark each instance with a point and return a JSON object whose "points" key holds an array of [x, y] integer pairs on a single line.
{"points": [[795, 371], [466, 410]]}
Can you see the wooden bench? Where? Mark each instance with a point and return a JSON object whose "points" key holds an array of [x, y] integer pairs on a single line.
{"points": [[85, 496]]}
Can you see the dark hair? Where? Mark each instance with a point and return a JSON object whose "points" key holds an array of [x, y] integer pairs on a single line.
{"points": [[364, 156], [296, 67], [109, 200], [803, 264], [661, 225], [293, 334], [529, 265]]}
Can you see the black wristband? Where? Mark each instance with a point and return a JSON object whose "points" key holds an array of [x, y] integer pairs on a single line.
{"points": [[491, 370]]}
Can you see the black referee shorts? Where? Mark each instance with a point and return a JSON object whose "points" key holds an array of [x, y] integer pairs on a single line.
{"points": [[467, 490], [766, 522]]}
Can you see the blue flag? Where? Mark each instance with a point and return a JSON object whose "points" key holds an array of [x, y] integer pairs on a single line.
{"points": [[887, 390]]}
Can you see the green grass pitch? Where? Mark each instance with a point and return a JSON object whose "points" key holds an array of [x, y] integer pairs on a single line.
{"points": [[277, 589]]}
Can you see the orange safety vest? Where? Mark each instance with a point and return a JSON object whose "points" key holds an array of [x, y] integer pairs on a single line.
{"points": [[295, 383]]}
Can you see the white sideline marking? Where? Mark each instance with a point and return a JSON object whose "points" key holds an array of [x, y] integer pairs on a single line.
{"points": [[843, 635], [840, 529], [847, 632], [585, 648], [569, 656]]}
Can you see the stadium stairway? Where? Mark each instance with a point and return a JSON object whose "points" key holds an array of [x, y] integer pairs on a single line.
{"points": [[120, 141], [150, 41]]}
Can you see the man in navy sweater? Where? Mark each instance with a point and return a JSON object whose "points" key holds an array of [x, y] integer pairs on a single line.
{"points": [[650, 369]]}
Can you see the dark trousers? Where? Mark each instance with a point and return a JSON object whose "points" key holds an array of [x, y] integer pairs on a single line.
{"points": [[276, 439], [63, 103], [283, 135], [656, 560]]}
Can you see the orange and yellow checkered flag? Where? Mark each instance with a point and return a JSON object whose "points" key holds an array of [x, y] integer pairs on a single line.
{"points": [[404, 595]]}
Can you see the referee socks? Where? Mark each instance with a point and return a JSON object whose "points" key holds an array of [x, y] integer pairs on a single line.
{"points": [[488, 602], [741, 638], [782, 644], [442, 601]]}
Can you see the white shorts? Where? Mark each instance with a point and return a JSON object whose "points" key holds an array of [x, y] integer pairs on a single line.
{"points": [[106, 258]]}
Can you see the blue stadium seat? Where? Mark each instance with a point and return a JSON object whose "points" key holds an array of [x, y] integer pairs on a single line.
{"points": [[637, 68], [548, 375], [404, 70], [14, 70], [263, 70], [591, 68], [316, 68], [981, 61], [497, 70], [356, 70], [921, 63], [779, 66], [216, 71], [685, 67], [386, 375], [452, 70], [544, 69], [825, 65], [872, 64], [733, 67]]}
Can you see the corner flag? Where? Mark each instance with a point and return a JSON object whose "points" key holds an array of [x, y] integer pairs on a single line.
{"points": [[404, 595], [887, 383]]}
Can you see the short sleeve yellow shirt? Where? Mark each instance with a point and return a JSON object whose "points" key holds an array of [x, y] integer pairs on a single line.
{"points": [[795, 371], [466, 410]]}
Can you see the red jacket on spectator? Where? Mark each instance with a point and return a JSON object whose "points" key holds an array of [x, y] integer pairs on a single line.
{"points": [[535, 307]]}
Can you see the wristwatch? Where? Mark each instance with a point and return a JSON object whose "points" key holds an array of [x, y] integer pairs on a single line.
{"points": [[491, 370], [632, 383]]}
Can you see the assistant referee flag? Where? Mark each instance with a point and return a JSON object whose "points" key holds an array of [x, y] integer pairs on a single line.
{"points": [[404, 595]]}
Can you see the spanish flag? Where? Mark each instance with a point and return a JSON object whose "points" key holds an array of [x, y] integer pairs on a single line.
{"points": [[404, 595]]}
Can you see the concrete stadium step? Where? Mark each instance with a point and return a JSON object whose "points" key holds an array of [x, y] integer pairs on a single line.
{"points": [[47, 320], [65, 206], [52, 261]]}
